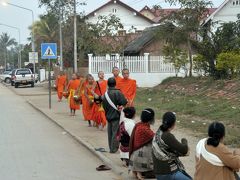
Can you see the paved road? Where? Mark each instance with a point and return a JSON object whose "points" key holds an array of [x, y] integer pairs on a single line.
{"points": [[31, 147]]}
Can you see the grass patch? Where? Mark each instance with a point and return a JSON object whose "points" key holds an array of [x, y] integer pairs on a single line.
{"points": [[198, 102]]}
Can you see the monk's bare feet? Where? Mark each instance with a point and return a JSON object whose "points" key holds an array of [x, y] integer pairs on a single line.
{"points": [[139, 176]]}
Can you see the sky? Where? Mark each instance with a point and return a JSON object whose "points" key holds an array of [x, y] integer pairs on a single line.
{"points": [[22, 19]]}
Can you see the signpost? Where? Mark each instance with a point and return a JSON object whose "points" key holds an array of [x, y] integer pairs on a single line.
{"points": [[49, 51], [33, 57]]}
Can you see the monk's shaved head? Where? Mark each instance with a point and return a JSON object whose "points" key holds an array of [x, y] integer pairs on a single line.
{"points": [[125, 73], [101, 75], [115, 71]]}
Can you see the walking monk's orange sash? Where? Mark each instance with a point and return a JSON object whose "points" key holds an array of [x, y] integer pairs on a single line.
{"points": [[86, 105], [60, 84], [98, 113], [72, 89], [118, 79], [129, 88]]}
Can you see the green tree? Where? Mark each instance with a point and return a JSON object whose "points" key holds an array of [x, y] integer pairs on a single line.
{"points": [[187, 21], [177, 57], [45, 30], [5, 42], [225, 39]]}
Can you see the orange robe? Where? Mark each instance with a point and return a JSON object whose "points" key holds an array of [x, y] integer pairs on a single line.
{"points": [[118, 79], [98, 113], [72, 89], [129, 88], [86, 106], [60, 84]]}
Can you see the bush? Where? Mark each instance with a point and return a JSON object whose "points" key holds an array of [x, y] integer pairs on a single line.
{"points": [[229, 62]]}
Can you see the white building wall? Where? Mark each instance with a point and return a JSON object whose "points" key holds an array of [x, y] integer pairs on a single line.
{"points": [[128, 18], [227, 14]]}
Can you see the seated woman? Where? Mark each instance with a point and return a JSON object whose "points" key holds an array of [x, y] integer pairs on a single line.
{"points": [[167, 150], [141, 146], [125, 132], [214, 161]]}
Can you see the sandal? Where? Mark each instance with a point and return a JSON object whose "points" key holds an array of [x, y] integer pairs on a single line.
{"points": [[103, 168], [100, 149]]}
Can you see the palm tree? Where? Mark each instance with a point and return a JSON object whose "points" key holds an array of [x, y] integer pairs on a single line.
{"points": [[5, 42], [46, 29]]}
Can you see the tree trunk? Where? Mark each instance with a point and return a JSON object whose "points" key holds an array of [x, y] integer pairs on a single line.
{"points": [[190, 57]]}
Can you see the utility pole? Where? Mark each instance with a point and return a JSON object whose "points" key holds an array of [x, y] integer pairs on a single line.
{"points": [[75, 37], [60, 34]]}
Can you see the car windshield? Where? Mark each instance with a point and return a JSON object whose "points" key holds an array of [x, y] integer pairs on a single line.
{"points": [[23, 71], [7, 72]]}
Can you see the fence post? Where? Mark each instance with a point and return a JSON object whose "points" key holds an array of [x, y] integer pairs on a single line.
{"points": [[90, 58], [117, 58], [146, 60]]}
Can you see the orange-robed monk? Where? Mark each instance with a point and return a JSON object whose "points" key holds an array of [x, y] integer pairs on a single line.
{"points": [[61, 83], [88, 99], [98, 113], [128, 87], [72, 88], [118, 78]]}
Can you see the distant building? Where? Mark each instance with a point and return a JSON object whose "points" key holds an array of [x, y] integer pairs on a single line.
{"points": [[130, 18], [227, 12], [156, 15]]}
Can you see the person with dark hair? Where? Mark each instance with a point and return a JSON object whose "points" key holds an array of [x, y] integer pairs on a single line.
{"points": [[140, 145], [214, 160], [128, 87], [125, 132], [113, 101], [167, 150]]}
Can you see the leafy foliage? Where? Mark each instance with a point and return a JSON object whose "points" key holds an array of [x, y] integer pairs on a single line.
{"points": [[5, 42], [225, 39], [184, 24], [229, 62]]}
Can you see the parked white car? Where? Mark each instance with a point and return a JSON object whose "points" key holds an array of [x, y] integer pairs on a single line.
{"points": [[23, 76], [6, 77]]}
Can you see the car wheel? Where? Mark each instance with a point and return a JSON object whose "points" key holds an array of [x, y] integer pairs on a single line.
{"points": [[32, 84], [16, 85], [8, 80]]}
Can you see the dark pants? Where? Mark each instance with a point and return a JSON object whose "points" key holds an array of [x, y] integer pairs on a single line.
{"points": [[112, 136], [175, 176]]}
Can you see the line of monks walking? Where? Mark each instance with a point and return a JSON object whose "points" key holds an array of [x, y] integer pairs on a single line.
{"points": [[147, 154], [86, 92]]}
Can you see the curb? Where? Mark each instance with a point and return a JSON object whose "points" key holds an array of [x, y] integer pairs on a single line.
{"points": [[89, 147]]}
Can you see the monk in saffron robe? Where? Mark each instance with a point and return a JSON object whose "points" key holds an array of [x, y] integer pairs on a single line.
{"points": [[61, 83], [88, 99], [118, 78], [72, 90], [98, 113], [128, 87]]}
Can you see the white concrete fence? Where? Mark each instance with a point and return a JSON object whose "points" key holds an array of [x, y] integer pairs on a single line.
{"points": [[148, 70]]}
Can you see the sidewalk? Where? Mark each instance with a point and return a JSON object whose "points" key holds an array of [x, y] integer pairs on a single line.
{"points": [[91, 137]]}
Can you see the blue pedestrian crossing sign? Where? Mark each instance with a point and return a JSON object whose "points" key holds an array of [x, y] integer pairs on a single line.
{"points": [[49, 50]]}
